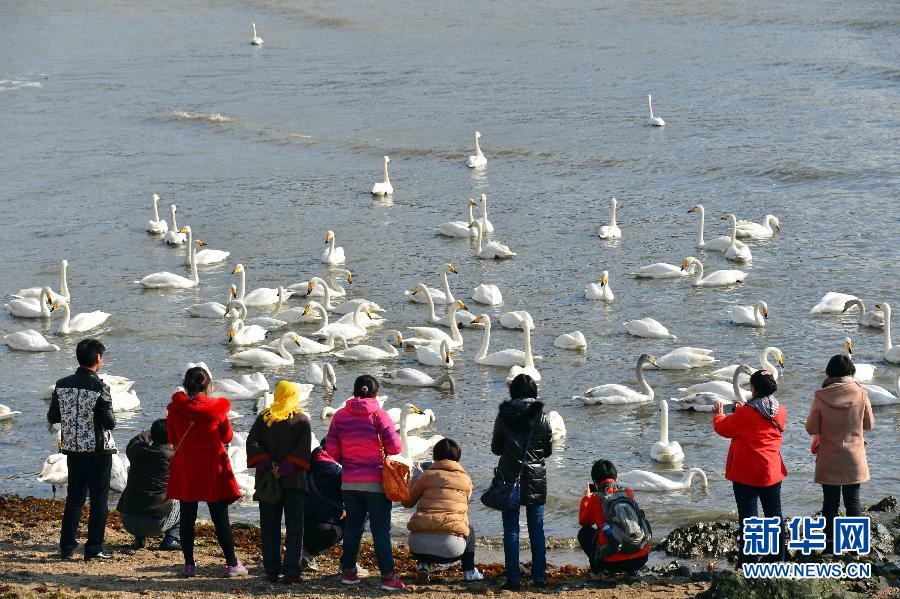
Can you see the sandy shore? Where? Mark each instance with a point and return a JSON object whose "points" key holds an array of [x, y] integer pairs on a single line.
{"points": [[29, 567]]}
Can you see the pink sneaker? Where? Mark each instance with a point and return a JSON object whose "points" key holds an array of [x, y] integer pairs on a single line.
{"points": [[350, 576], [392, 582], [190, 570], [238, 570]]}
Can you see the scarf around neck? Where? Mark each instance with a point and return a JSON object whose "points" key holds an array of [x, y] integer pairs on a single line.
{"points": [[767, 406]]}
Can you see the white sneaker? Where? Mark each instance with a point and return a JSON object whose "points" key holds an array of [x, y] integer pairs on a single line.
{"points": [[308, 561], [472, 575], [361, 572]]}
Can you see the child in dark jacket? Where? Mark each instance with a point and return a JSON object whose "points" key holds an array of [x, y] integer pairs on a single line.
{"points": [[592, 520], [324, 514]]}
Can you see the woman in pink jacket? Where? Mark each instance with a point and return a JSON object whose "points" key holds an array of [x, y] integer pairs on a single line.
{"points": [[839, 414], [355, 440]]}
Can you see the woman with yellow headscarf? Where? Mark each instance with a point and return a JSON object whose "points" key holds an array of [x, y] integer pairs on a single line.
{"points": [[279, 446]]}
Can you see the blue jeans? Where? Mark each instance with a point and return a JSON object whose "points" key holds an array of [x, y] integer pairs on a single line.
{"points": [[358, 504], [535, 516]]}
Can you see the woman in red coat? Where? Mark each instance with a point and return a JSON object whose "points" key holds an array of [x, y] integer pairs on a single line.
{"points": [[754, 465], [201, 471]]}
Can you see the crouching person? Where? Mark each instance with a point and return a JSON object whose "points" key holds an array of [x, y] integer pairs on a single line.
{"points": [[144, 508], [324, 515], [614, 533], [440, 532]]}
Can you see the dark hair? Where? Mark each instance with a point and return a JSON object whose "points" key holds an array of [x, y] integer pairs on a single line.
{"points": [[88, 352], [365, 386], [196, 380], [602, 470], [763, 383], [158, 432], [840, 365], [447, 449], [523, 386]]}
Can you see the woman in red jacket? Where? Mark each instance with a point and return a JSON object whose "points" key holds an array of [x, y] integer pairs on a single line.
{"points": [[201, 471], [754, 465]]}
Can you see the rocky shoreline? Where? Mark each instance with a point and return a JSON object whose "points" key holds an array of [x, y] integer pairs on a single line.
{"points": [[694, 560]]}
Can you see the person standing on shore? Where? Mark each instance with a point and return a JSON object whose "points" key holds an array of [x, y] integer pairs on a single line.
{"points": [[839, 414], [360, 435], [523, 440], [200, 470], [144, 508], [754, 464], [82, 405], [279, 443]]}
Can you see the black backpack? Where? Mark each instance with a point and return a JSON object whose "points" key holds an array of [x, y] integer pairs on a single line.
{"points": [[629, 531]]}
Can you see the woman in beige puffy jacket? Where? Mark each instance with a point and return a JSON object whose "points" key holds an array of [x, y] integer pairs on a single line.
{"points": [[839, 414]]}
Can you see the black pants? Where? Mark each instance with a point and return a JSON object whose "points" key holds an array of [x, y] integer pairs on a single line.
{"points": [[587, 538], [770, 499], [88, 476], [467, 559], [291, 505], [319, 537], [218, 512], [831, 503]]}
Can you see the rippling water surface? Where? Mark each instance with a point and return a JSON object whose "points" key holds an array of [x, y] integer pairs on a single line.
{"points": [[788, 108]]}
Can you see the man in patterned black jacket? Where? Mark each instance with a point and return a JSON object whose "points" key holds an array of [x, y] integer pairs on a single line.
{"points": [[82, 406]]}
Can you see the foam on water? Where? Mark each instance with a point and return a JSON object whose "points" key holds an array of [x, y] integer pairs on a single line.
{"points": [[214, 117]]}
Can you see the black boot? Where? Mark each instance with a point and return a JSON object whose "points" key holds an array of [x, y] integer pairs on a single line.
{"points": [[170, 544], [138, 543]]}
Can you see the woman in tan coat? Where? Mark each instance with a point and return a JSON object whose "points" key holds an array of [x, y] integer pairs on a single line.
{"points": [[840, 413], [440, 532]]}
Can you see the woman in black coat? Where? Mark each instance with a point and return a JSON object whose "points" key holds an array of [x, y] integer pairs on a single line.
{"points": [[521, 422]]}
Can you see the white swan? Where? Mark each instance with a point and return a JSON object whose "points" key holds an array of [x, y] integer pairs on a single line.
{"points": [[487, 294], [504, 357], [207, 257], [80, 322], [28, 340], [833, 303], [751, 316], [255, 40], [414, 447], [242, 334], [156, 226], [463, 316], [334, 284], [174, 236], [211, 309], [527, 368], [35, 292], [384, 188], [613, 394], [492, 250], [263, 358], [647, 327], [347, 330], [718, 278], [478, 160], [167, 280], [656, 121], [872, 318], [735, 252], [601, 291], [307, 347], [644, 480], [612, 230], [574, 340], [366, 353], [269, 323], [322, 375], [484, 220], [706, 401], [6, 413], [31, 307], [660, 270], [413, 420], [891, 351], [879, 396], [433, 335], [429, 355], [249, 387], [750, 230], [458, 228], [864, 372], [728, 390], [263, 296], [517, 319], [718, 244], [410, 377], [124, 401], [685, 358], [557, 425], [664, 450], [332, 254], [726, 373]]}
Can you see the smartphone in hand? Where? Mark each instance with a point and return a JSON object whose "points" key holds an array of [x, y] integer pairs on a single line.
{"points": [[592, 487]]}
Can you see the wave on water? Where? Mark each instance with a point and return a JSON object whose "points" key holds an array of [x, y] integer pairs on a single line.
{"points": [[214, 117], [7, 85]]}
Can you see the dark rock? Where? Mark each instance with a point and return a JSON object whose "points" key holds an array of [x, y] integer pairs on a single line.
{"points": [[703, 539], [888, 570], [888, 504], [731, 585]]}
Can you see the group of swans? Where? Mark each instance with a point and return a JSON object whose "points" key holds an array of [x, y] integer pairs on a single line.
{"points": [[838, 303], [873, 318]]}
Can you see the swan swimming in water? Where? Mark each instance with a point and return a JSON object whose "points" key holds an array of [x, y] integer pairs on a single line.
{"points": [[28, 340], [751, 316], [872, 318], [79, 323], [255, 40], [410, 377], [484, 220], [517, 319], [612, 230], [263, 358], [601, 291], [706, 401], [725, 373], [647, 327], [6, 413], [263, 296], [891, 351], [332, 255], [655, 121], [735, 252], [492, 250], [365, 353], [685, 358], [174, 236], [31, 307], [643, 480], [574, 341], [211, 309], [750, 230], [718, 244], [833, 303], [478, 160], [414, 447], [879, 396], [322, 375], [527, 368], [487, 294], [664, 450], [505, 357], [167, 280], [864, 372], [614, 394], [660, 270], [459, 228], [718, 278], [157, 226], [35, 292], [384, 188]]}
